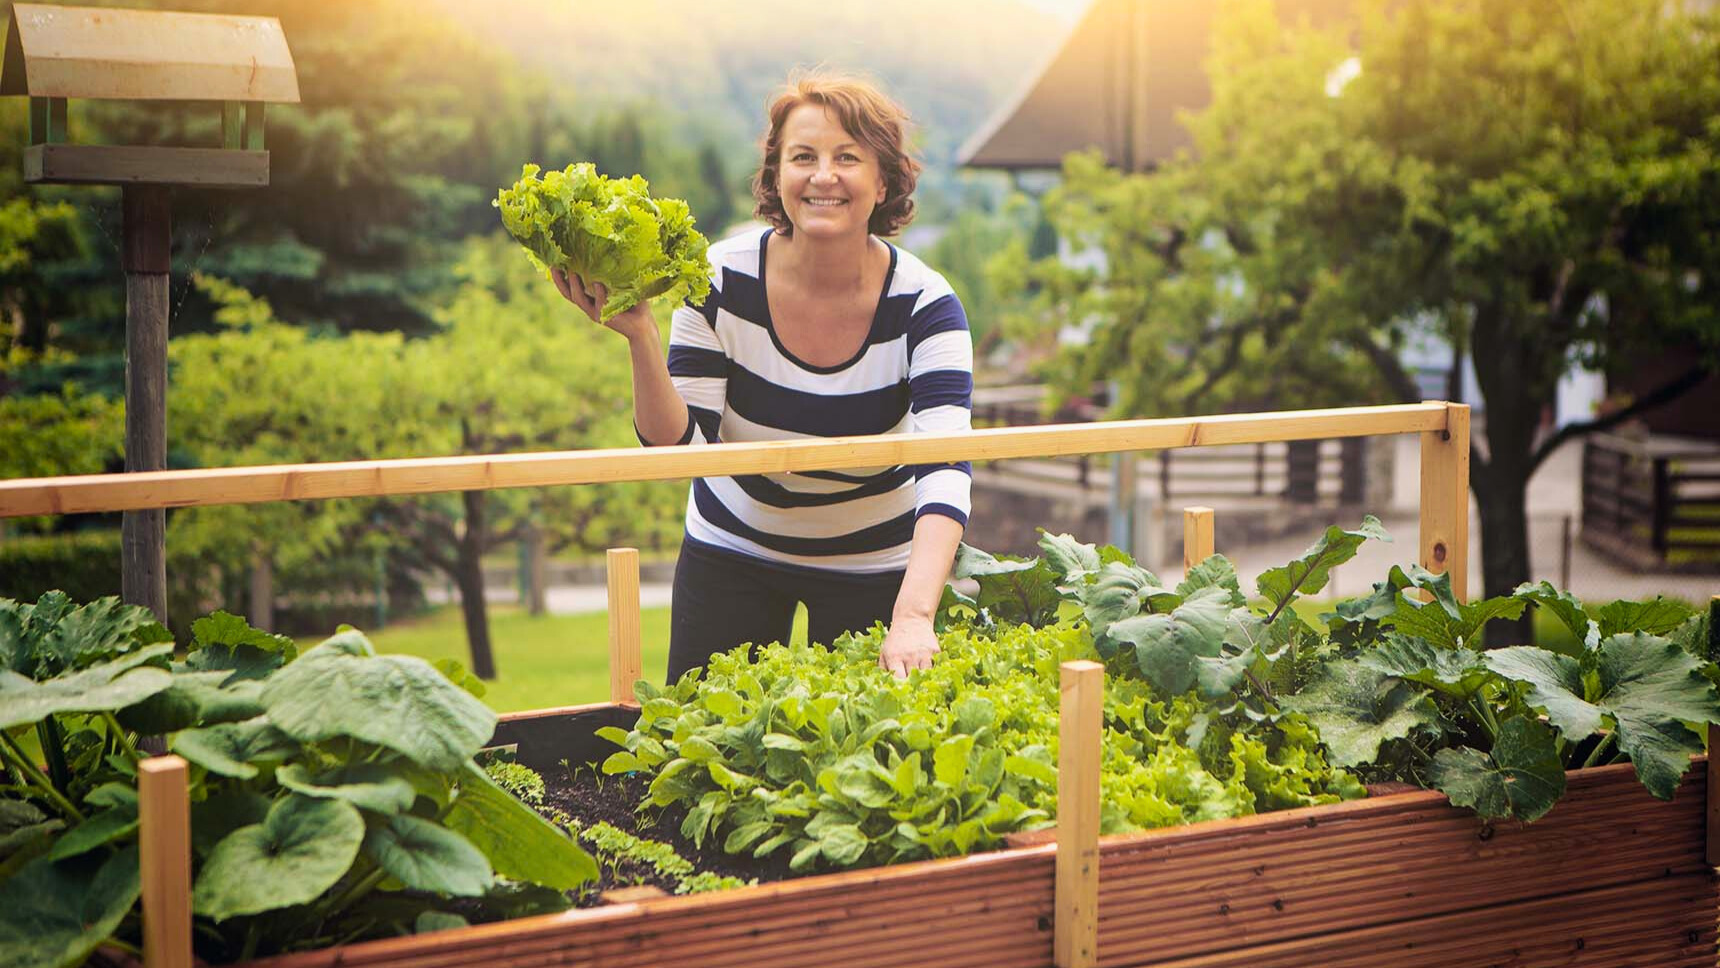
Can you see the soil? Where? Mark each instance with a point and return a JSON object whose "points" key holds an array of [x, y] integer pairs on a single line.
{"points": [[590, 797]]}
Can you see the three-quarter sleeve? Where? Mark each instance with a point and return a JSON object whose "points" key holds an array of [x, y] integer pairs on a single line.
{"points": [[940, 392], [699, 366]]}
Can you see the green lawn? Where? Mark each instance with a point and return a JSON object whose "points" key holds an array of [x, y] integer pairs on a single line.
{"points": [[542, 661]]}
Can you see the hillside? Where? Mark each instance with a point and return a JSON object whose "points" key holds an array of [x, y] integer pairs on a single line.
{"points": [[950, 61]]}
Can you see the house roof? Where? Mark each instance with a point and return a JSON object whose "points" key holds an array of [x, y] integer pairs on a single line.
{"points": [[1117, 83], [104, 52]]}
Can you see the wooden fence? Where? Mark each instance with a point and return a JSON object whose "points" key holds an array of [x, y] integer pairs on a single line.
{"points": [[1652, 502], [1444, 540]]}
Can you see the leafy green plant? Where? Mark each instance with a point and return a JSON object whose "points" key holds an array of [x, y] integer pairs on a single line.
{"points": [[1397, 682], [333, 793], [613, 845], [609, 231], [818, 752]]}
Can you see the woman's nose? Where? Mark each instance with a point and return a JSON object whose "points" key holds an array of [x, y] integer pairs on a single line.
{"points": [[823, 176]]}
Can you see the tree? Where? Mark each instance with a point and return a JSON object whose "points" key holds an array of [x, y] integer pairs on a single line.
{"points": [[511, 369], [1535, 182]]}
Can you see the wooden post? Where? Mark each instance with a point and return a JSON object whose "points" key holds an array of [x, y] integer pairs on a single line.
{"points": [[143, 534], [1197, 536], [1713, 792], [164, 839], [254, 111], [1076, 920], [1445, 498], [232, 125], [625, 665]]}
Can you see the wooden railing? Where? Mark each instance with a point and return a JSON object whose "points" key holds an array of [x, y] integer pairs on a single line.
{"points": [[1653, 501], [1444, 430]]}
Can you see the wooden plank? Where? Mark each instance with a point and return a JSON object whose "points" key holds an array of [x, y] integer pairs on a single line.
{"points": [[625, 665], [248, 485], [1712, 767], [164, 841], [1666, 924], [1197, 536], [631, 895], [60, 164], [108, 52], [1445, 499], [1081, 738]]}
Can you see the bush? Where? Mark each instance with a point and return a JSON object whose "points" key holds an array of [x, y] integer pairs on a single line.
{"points": [[83, 564]]}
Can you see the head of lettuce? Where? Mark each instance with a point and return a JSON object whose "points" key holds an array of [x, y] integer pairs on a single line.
{"points": [[607, 230]]}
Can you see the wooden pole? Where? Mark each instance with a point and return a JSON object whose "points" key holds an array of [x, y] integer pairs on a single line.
{"points": [[1197, 536], [1713, 765], [164, 839], [1445, 498], [625, 665], [1080, 738], [143, 533], [431, 475]]}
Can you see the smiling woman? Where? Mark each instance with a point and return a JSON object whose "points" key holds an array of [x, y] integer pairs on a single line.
{"points": [[846, 334]]}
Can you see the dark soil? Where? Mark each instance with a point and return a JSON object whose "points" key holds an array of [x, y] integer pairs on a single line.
{"points": [[589, 796]]}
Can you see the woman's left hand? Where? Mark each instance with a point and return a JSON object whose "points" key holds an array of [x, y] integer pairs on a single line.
{"points": [[910, 644]]}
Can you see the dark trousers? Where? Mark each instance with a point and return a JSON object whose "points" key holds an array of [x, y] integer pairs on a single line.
{"points": [[723, 599]]}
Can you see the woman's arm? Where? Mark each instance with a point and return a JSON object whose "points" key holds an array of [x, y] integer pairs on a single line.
{"points": [[911, 643], [659, 413]]}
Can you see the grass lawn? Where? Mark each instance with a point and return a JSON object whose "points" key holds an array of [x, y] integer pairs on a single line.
{"points": [[542, 661]]}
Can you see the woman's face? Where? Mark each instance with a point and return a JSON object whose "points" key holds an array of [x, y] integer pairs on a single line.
{"points": [[829, 181]]}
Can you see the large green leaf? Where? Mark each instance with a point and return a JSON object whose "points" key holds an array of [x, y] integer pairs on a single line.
{"points": [[1652, 688], [1168, 647], [1010, 589], [395, 701], [1656, 616], [54, 635], [372, 786], [1310, 572], [1565, 608], [1522, 778], [233, 749], [301, 849], [425, 856], [98, 830], [1445, 622], [54, 914], [1356, 709], [226, 642], [108, 686], [1216, 570], [194, 699], [1555, 686], [520, 844], [1070, 559], [1118, 592], [1457, 672], [1646, 685]]}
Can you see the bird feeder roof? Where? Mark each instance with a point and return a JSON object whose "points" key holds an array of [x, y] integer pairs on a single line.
{"points": [[117, 54]]}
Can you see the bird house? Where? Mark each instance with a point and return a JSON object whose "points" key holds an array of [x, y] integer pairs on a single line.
{"points": [[57, 54]]}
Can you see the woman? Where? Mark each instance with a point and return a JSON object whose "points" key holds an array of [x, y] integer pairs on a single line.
{"points": [[813, 328]]}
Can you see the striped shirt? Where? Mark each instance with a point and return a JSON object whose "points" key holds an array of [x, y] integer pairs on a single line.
{"points": [[914, 374]]}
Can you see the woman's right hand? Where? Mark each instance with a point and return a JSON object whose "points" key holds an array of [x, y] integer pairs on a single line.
{"points": [[632, 323]]}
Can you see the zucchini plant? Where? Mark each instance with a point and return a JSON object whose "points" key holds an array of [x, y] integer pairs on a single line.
{"points": [[334, 796]]}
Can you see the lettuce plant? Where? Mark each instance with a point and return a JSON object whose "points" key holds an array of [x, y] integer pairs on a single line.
{"points": [[607, 230], [333, 793], [819, 753]]}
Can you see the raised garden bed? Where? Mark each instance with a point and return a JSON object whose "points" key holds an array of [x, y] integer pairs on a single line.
{"points": [[1610, 877]]}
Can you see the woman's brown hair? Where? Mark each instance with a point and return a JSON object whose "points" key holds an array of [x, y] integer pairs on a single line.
{"points": [[864, 112]]}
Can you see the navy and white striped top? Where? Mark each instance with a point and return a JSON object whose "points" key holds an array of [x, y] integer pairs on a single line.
{"points": [[914, 374]]}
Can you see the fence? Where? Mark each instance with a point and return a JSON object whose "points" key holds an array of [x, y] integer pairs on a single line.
{"points": [[1655, 502], [1444, 544]]}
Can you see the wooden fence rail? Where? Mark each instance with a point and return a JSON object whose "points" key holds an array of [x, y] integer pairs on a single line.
{"points": [[1651, 501]]}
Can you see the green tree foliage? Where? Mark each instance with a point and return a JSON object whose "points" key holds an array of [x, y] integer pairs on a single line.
{"points": [[1532, 181], [511, 369]]}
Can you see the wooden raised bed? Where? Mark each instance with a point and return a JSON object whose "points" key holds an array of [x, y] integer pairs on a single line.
{"points": [[1611, 877]]}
